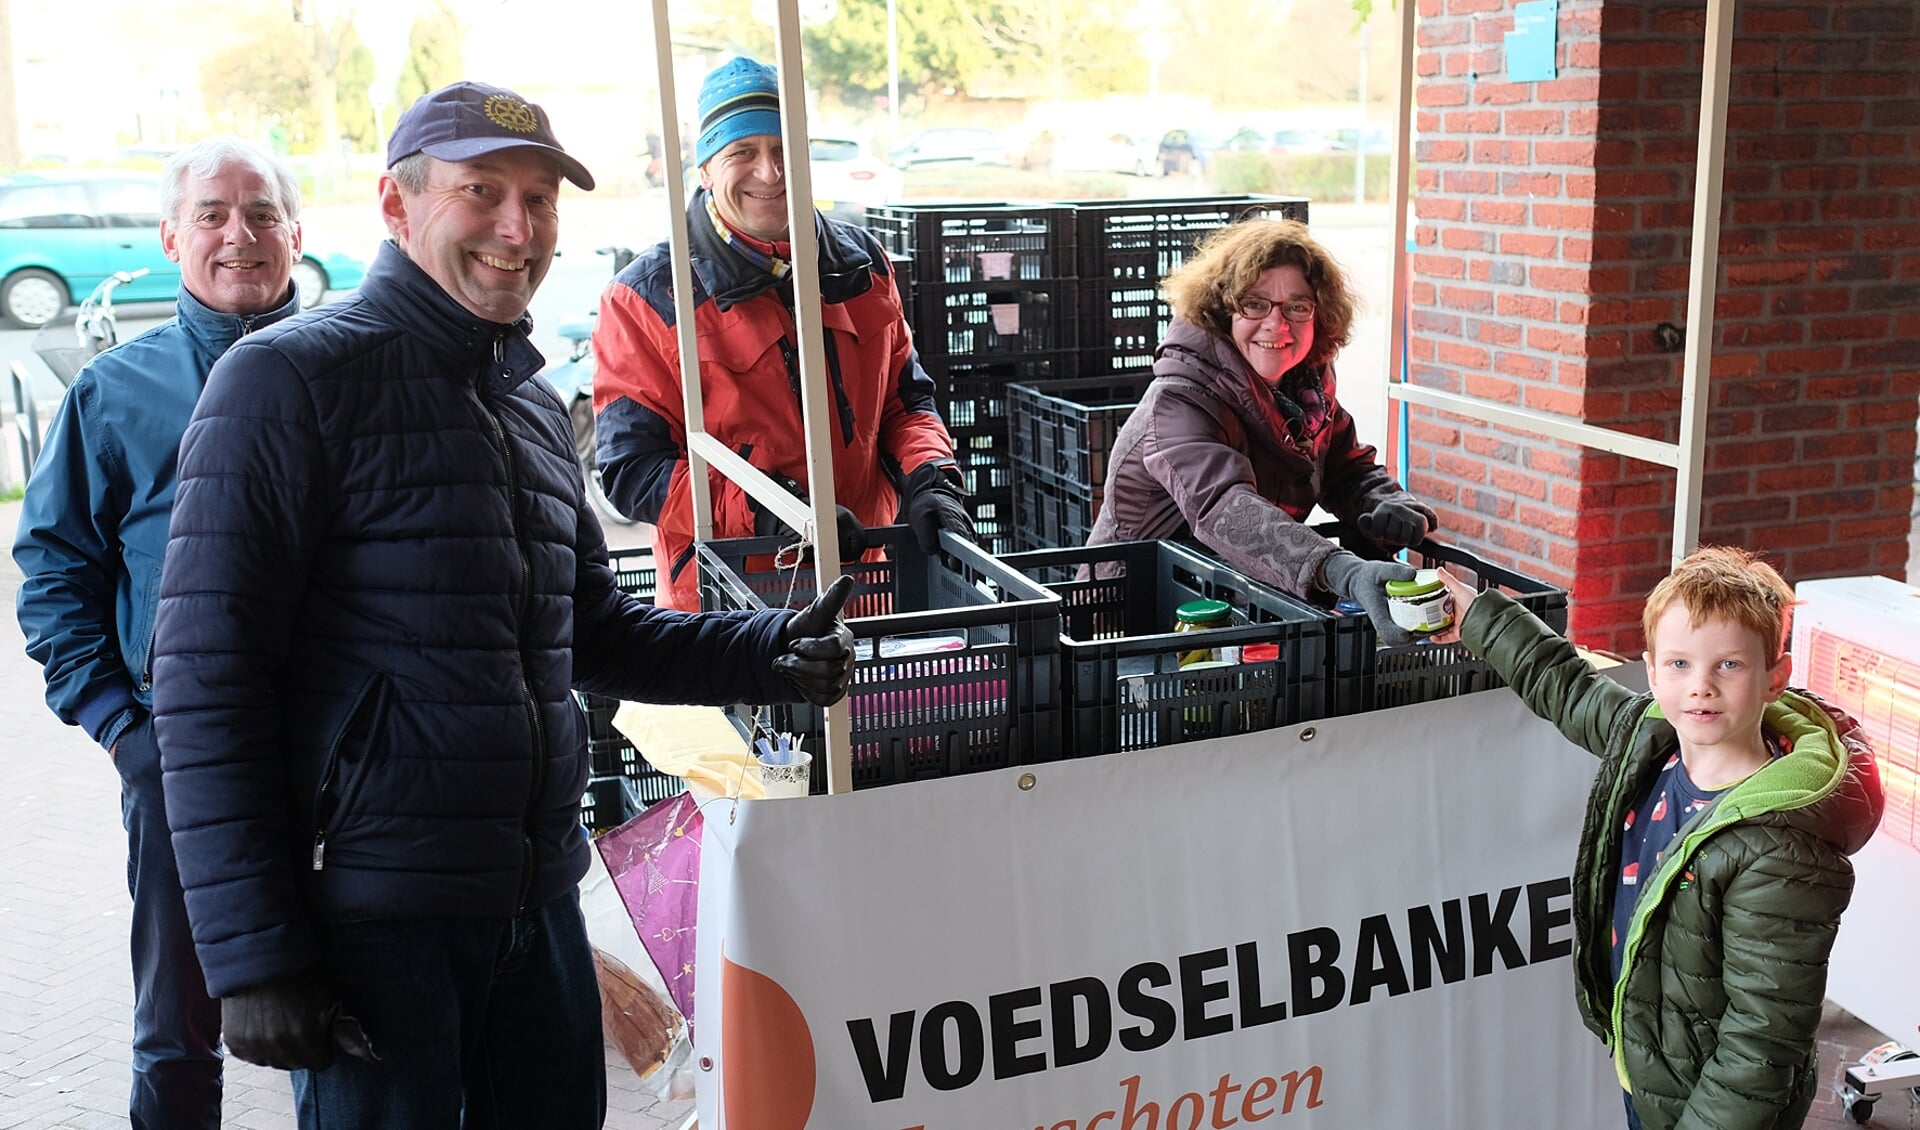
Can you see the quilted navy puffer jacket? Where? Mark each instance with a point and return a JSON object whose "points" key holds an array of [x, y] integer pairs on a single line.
{"points": [[381, 582]]}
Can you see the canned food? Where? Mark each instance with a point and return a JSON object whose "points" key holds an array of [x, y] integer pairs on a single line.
{"points": [[1196, 615], [1422, 604]]}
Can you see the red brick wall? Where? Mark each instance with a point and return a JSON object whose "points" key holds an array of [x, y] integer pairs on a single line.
{"points": [[1554, 220]]}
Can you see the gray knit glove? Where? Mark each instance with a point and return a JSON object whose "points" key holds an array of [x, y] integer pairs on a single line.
{"points": [[1347, 575], [1399, 522]]}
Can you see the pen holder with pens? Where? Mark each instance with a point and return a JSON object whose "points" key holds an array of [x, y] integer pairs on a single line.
{"points": [[784, 766]]}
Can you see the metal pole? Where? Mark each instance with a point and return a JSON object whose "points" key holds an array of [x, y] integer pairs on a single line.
{"points": [[1397, 192], [1360, 142], [893, 70], [816, 409], [1702, 285], [683, 304]]}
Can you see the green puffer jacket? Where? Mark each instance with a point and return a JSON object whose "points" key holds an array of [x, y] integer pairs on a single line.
{"points": [[1713, 1021]]}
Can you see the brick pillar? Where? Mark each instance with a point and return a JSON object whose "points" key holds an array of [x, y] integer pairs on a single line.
{"points": [[1554, 222]]}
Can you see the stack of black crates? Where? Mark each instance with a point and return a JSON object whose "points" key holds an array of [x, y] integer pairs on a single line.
{"points": [[1005, 295], [992, 302], [1062, 431]]}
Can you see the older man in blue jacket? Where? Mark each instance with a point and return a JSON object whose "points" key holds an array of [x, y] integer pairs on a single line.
{"points": [[91, 538], [382, 580]]}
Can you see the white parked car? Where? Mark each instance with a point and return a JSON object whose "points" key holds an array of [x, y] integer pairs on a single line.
{"points": [[958, 145], [1071, 152], [847, 178]]}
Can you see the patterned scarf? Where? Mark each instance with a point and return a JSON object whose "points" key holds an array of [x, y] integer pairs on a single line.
{"points": [[752, 251], [1302, 402]]}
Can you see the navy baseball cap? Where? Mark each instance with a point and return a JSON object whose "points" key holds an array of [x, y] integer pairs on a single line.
{"points": [[471, 119]]}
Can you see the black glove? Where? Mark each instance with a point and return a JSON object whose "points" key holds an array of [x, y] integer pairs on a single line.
{"points": [[293, 1024], [1366, 581], [934, 504], [853, 535], [818, 659], [1399, 522]]}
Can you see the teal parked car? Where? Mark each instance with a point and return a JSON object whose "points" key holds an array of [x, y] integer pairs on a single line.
{"points": [[62, 233]]}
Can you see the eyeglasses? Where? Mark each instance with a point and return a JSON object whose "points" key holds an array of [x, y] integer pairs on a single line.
{"points": [[1254, 308]]}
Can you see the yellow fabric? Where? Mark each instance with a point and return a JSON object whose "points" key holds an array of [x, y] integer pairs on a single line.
{"points": [[693, 742]]}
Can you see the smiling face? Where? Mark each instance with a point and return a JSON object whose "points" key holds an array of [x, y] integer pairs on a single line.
{"points": [[748, 180], [1713, 681], [483, 229], [1272, 345], [233, 241]]}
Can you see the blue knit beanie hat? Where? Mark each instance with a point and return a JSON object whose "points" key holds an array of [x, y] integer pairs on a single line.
{"points": [[741, 98]]}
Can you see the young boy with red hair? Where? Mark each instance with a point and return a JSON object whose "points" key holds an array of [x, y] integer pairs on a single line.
{"points": [[1712, 868]]}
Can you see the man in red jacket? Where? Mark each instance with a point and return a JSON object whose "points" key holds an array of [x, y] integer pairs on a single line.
{"points": [[892, 455]]}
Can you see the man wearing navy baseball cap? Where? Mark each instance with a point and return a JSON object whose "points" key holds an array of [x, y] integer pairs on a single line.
{"points": [[892, 456], [382, 582]]}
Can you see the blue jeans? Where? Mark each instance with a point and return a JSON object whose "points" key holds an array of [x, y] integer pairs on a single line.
{"points": [[480, 1024], [176, 1026], [1633, 1116]]}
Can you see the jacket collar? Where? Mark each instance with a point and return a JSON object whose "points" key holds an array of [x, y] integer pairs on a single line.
{"points": [[846, 266], [1215, 362], [398, 286], [1829, 780], [213, 332], [1210, 360]]}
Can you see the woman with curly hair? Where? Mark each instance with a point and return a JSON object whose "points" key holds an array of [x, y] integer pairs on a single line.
{"points": [[1241, 433]]}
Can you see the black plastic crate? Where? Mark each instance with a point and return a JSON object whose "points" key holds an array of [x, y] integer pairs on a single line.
{"points": [[987, 319], [993, 520], [968, 242], [633, 572], [1126, 247], [1123, 686], [973, 402], [1067, 428], [1144, 240], [608, 803], [1370, 677], [1120, 324], [610, 752], [960, 671], [972, 391], [1051, 513]]}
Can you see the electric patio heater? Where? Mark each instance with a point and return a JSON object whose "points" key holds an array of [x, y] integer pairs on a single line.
{"points": [[1856, 643]]}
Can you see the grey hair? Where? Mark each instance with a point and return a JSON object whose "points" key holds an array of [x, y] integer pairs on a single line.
{"points": [[411, 172], [207, 158]]}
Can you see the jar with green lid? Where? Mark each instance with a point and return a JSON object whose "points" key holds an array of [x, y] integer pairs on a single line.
{"points": [[1422, 604], [1196, 615]]}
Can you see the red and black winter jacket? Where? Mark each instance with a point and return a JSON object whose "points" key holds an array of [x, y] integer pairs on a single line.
{"points": [[885, 424]]}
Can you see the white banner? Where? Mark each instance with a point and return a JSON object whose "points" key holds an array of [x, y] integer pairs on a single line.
{"points": [[1362, 922]]}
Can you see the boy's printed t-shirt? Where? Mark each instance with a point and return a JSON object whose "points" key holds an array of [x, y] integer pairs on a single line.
{"points": [[1669, 803]]}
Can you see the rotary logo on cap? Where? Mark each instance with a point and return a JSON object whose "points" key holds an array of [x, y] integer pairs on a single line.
{"points": [[511, 113]]}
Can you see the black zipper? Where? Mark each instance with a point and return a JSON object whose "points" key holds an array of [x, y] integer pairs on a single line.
{"points": [[519, 644], [153, 634], [843, 408], [327, 803]]}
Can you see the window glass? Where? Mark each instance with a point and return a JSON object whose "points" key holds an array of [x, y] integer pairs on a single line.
{"points": [[128, 203], [44, 206]]}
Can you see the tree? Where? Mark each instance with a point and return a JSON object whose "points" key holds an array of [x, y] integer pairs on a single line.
{"points": [[10, 154], [939, 48], [250, 88], [1079, 47], [1264, 54], [433, 54]]}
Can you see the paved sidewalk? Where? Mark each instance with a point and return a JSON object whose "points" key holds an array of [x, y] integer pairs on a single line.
{"points": [[66, 994]]}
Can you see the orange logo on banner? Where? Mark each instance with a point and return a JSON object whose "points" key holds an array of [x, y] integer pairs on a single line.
{"points": [[767, 1049]]}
